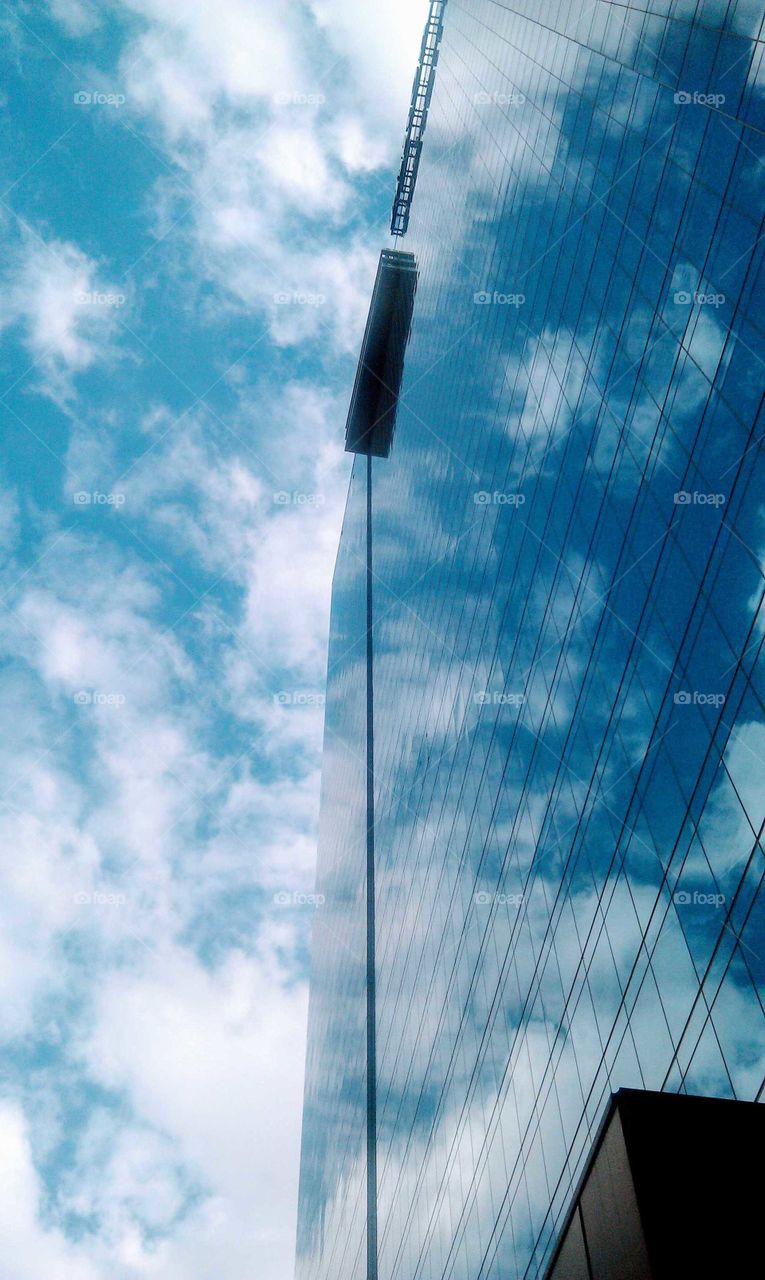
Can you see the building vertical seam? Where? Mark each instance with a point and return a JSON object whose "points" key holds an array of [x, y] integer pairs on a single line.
{"points": [[371, 940]]}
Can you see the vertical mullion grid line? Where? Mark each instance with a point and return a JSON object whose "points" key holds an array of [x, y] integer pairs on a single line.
{"points": [[371, 940]]}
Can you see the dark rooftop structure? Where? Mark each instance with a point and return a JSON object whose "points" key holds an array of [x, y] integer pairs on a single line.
{"points": [[372, 414], [669, 1191]]}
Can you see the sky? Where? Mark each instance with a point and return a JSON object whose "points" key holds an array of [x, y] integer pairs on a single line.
{"points": [[192, 202]]}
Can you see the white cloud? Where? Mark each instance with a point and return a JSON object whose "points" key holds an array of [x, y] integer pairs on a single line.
{"points": [[64, 308], [357, 151], [199, 1052], [295, 163], [126, 800], [269, 522], [289, 586], [34, 1250], [77, 17], [244, 54], [126, 1177], [207, 502], [264, 116], [380, 44]]}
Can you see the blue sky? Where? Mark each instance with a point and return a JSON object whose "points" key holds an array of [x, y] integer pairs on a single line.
{"points": [[192, 201]]}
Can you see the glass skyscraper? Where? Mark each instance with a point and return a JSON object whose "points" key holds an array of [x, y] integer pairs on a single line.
{"points": [[541, 849]]}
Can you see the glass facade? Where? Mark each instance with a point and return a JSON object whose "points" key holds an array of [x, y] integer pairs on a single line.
{"points": [[333, 1205], [567, 602]]}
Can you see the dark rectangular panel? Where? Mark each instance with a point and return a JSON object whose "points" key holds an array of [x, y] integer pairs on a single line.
{"points": [[668, 1191], [372, 413], [696, 1167]]}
